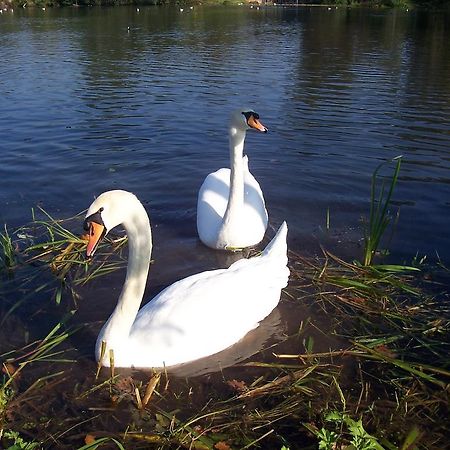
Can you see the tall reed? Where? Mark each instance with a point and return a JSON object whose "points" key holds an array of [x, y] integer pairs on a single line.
{"points": [[379, 217]]}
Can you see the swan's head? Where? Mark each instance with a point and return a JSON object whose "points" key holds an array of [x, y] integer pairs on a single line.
{"points": [[106, 212], [246, 119]]}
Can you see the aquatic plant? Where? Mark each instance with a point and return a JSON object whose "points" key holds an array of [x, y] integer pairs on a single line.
{"points": [[379, 217], [51, 243], [46, 249], [7, 251], [387, 344], [393, 329]]}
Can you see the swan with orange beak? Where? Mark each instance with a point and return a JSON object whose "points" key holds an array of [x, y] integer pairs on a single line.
{"points": [[231, 212]]}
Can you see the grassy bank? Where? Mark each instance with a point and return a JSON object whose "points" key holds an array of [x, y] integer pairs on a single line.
{"points": [[382, 383]]}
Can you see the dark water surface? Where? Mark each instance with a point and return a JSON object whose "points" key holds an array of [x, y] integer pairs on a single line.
{"points": [[97, 99]]}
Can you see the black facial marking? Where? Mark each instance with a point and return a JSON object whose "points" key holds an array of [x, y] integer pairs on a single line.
{"points": [[96, 217], [249, 114]]}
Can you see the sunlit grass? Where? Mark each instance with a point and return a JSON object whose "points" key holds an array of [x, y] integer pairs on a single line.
{"points": [[399, 334]]}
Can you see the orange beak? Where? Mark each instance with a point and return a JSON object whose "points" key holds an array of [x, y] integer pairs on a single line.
{"points": [[256, 124], [96, 232]]}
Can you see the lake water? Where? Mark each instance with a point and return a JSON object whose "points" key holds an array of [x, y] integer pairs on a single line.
{"points": [[98, 99], [89, 105]]}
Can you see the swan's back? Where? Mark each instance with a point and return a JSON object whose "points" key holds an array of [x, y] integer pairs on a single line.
{"points": [[208, 312]]}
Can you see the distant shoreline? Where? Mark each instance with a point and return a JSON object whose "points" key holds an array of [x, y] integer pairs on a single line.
{"points": [[437, 5]]}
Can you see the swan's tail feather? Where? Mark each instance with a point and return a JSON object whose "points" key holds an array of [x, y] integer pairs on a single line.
{"points": [[275, 256], [263, 277], [278, 245]]}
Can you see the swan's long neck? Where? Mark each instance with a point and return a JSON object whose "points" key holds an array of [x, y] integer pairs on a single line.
{"points": [[236, 196], [137, 226]]}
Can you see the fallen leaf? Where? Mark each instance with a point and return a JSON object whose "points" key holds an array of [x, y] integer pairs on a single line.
{"points": [[9, 369], [89, 439], [125, 385], [151, 387], [239, 386]]}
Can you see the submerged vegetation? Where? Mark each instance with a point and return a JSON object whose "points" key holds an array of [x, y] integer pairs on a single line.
{"points": [[382, 381]]}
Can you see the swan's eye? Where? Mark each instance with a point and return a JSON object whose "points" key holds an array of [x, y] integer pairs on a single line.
{"points": [[247, 115], [96, 217], [88, 227]]}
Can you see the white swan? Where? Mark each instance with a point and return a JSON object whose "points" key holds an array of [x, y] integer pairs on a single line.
{"points": [[194, 317], [231, 213]]}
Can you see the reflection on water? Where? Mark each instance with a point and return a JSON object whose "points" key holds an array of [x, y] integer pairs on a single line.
{"points": [[251, 344], [95, 99]]}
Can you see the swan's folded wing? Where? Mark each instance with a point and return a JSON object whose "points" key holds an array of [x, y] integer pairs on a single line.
{"points": [[211, 205], [205, 313]]}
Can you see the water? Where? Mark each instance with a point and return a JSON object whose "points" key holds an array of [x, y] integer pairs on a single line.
{"points": [[98, 99], [89, 104]]}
